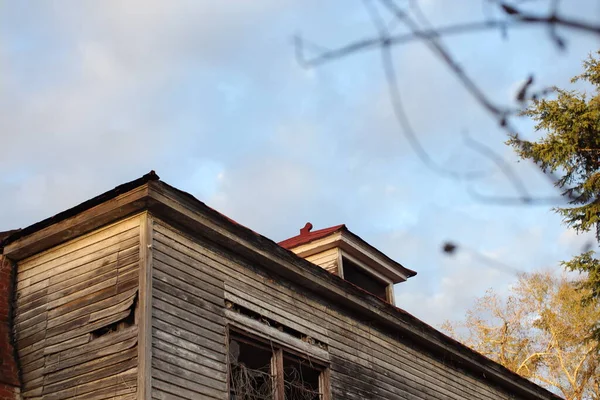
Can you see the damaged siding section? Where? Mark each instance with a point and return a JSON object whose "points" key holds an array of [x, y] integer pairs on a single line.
{"points": [[76, 316]]}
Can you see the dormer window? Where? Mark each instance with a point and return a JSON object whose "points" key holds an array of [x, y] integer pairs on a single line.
{"points": [[364, 280], [345, 254]]}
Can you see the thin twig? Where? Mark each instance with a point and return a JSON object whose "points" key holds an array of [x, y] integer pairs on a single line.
{"points": [[431, 36]]}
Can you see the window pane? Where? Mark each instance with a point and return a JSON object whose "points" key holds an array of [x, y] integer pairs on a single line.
{"points": [[249, 371], [361, 278], [301, 379]]}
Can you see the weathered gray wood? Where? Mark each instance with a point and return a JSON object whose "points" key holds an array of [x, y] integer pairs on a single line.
{"points": [[195, 218], [219, 377], [291, 295], [94, 276], [82, 297], [82, 370], [163, 385], [105, 372], [203, 275], [175, 320], [188, 283], [94, 311], [182, 286], [89, 356], [121, 391], [92, 253], [188, 315], [98, 344], [219, 357], [160, 395], [182, 350], [192, 337], [187, 388], [247, 300], [188, 329], [67, 344], [144, 316], [206, 309], [189, 371], [208, 319], [128, 377], [175, 249], [396, 370], [65, 294], [80, 244], [81, 329], [272, 334]]}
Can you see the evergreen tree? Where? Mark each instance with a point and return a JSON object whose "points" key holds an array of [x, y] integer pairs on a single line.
{"points": [[570, 149]]}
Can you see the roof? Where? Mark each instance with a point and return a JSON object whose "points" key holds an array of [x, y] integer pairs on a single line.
{"points": [[86, 205], [282, 261], [306, 236], [5, 234]]}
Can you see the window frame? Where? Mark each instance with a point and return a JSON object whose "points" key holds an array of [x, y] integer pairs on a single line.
{"points": [[278, 351], [364, 268]]}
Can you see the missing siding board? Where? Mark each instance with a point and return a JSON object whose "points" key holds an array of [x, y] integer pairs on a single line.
{"points": [[120, 325], [272, 323]]}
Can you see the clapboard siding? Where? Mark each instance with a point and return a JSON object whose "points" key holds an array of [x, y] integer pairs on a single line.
{"points": [[75, 334], [327, 259], [188, 328], [364, 361]]}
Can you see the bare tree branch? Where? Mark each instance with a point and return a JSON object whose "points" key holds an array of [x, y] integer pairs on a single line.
{"points": [[431, 36]]}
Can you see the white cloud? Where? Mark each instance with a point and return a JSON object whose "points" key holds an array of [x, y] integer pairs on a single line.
{"points": [[82, 107]]}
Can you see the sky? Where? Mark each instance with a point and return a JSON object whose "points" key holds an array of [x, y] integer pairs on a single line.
{"points": [[211, 96]]}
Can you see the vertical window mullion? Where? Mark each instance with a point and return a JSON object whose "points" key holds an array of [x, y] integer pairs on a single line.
{"points": [[324, 385], [278, 375]]}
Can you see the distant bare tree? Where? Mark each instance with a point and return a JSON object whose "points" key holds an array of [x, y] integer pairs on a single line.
{"points": [[540, 332]]}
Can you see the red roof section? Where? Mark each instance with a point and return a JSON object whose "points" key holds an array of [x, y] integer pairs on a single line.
{"points": [[306, 236]]}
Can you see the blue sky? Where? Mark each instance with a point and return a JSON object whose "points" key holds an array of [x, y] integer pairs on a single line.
{"points": [[209, 94]]}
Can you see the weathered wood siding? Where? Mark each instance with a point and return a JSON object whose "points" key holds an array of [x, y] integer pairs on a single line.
{"points": [[188, 323], [327, 259], [76, 335], [190, 281]]}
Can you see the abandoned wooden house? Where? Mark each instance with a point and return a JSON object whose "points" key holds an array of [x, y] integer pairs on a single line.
{"points": [[145, 292]]}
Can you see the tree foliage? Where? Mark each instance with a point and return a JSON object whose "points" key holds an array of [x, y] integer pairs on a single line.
{"points": [[570, 148], [538, 332]]}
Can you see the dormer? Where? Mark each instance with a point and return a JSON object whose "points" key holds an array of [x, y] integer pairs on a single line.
{"points": [[345, 254]]}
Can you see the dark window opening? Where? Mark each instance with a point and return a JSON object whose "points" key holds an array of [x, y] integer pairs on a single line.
{"points": [[249, 370], [255, 373], [301, 379], [356, 275]]}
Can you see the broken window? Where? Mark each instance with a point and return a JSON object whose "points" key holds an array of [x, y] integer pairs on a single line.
{"points": [[262, 371], [250, 375], [301, 379]]}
